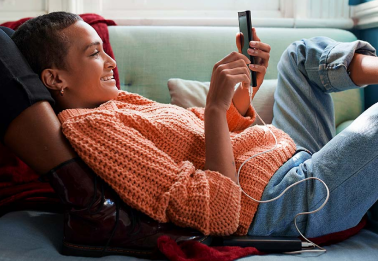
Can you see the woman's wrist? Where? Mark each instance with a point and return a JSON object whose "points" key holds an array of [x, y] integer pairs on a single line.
{"points": [[215, 109], [219, 153], [241, 99]]}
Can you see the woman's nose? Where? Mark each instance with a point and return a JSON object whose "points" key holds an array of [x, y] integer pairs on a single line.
{"points": [[110, 62]]}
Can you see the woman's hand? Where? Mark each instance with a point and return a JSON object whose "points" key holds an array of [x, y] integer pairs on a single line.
{"points": [[226, 74], [261, 52]]}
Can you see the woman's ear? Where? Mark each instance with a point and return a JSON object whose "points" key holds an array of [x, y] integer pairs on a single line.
{"points": [[52, 80]]}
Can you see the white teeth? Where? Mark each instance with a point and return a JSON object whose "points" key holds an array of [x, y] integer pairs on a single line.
{"points": [[106, 78]]}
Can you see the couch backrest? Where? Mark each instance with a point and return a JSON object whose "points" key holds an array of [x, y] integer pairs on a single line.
{"points": [[147, 56]]}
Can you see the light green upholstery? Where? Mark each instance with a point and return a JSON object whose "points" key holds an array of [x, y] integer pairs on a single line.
{"points": [[147, 56]]}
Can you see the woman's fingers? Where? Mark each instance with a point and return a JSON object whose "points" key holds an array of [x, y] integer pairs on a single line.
{"points": [[234, 71], [257, 68], [254, 35], [234, 56], [239, 41], [260, 45], [243, 78], [234, 64], [258, 53], [239, 71], [259, 50], [234, 68]]}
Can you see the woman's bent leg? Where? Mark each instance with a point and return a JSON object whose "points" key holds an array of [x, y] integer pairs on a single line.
{"points": [[346, 162], [29, 125], [307, 72]]}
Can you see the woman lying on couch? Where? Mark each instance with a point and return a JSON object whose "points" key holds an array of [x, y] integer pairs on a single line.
{"points": [[177, 165]]}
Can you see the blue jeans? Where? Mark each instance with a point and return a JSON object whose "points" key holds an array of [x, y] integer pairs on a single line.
{"points": [[308, 71]]}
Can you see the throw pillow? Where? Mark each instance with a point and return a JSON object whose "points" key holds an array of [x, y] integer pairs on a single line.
{"points": [[188, 93]]}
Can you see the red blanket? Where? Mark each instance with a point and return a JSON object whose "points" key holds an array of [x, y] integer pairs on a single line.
{"points": [[19, 186]]}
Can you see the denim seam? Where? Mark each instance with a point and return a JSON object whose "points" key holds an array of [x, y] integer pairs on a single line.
{"points": [[311, 94], [330, 68], [323, 68], [332, 190]]}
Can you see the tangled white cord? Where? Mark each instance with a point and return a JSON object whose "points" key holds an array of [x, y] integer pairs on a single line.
{"points": [[311, 244]]}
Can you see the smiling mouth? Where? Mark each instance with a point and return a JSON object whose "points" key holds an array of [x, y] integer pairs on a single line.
{"points": [[104, 79]]}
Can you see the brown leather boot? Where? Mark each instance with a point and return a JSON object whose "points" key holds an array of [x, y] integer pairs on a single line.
{"points": [[98, 223]]}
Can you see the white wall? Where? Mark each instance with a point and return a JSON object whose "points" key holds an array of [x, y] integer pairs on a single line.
{"points": [[15, 9], [265, 13]]}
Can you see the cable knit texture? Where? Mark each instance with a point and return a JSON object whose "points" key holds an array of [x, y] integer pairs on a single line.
{"points": [[153, 155]]}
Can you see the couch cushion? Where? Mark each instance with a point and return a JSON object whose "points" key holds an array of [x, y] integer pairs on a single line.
{"points": [[186, 93], [37, 236]]}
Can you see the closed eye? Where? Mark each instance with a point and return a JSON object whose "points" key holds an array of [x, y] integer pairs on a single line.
{"points": [[95, 54]]}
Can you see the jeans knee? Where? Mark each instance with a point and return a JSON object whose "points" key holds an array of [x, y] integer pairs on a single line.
{"points": [[307, 51], [292, 52], [303, 58], [292, 60]]}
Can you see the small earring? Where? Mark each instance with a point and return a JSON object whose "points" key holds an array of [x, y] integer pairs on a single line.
{"points": [[61, 92]]}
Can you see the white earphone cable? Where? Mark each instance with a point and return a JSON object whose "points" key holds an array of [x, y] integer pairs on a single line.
{"points": [[320, 249]]}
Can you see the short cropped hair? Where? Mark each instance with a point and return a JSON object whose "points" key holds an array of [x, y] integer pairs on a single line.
{"points": [[41, 42]]}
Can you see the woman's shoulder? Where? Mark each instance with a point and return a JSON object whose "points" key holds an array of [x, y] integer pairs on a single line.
{"points": [[133, 98]]}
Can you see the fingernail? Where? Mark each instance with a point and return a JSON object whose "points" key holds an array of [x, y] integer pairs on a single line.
{"points": [[251, 50], [252, 43], [252, 65]]}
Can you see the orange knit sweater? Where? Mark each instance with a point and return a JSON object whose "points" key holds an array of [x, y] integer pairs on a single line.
{"points": [[153, 156]]}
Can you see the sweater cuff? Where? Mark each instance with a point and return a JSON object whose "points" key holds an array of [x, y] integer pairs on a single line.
{"points": [[225, 205], [237, 122]]}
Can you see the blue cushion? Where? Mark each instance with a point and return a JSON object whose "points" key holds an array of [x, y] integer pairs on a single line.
{"points": [[32, 235], [36, 236]]}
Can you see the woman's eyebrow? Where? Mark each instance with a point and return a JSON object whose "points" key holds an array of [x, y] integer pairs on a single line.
{"points": [[91, 44]]}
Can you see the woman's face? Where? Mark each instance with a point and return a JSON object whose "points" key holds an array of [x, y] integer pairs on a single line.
{"points": [[88, 78]]}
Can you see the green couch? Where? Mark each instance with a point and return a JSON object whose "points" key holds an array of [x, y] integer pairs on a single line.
{"points": [[147, 57]]}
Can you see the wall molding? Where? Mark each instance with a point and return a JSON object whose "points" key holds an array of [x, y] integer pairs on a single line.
{"points": [[72, 6], [12, 16], [288, 14], [365, 15], [341, 23], [257, 22]]}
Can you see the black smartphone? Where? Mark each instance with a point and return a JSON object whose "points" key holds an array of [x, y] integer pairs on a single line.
{"points": [[245, 27]]}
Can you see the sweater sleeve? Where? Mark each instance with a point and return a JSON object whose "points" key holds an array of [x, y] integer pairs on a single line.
{"points": [[148, 179], [236, 122]]}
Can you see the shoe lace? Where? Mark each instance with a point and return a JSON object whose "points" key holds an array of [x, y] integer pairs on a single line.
{"points": [[134, 221]]}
